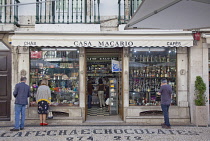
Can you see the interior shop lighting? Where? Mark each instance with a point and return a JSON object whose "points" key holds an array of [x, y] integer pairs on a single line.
{"points": [[148, 49], [59, 49], [141, 49], [66, 49], [48, 49]]}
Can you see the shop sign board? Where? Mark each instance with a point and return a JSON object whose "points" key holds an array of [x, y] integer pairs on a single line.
{"points": [[102, 44], [85, 43], [102, 41]]}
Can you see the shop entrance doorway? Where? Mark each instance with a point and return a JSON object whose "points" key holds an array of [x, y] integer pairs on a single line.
{"points": [[104, 85]]}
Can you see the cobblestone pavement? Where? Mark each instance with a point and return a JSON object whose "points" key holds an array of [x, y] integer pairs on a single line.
{"points": [[106, 133]]}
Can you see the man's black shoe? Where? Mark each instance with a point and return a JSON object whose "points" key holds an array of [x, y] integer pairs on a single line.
{"points": [[21, 128], [14, 129]]}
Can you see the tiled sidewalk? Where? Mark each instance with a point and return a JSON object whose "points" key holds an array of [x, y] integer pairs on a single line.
{"points": [[106, 133]]}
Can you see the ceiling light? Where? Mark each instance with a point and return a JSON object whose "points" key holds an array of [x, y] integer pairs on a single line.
{"points": [[66, 49], [149, 49], [48, 49]]}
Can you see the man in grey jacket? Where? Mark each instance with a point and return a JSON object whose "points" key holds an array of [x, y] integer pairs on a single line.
{"points": [[165, 92], [21, 94]]}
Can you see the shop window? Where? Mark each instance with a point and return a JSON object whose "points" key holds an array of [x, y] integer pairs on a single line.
{"points": [[60, 67], [147, 67]]}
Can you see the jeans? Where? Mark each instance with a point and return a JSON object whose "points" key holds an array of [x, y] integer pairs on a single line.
{"points": [[165, 109], [19, 115], [89, 100]]}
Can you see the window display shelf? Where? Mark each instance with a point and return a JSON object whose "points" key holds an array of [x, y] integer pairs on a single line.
{"points": [[100, 69]]}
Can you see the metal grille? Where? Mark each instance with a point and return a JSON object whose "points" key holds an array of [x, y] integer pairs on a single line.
{"points": [[67, 11], [9, 11], [126, 10]]}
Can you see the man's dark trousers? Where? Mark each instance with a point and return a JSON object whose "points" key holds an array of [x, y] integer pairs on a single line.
{"points": [[165, 108]]}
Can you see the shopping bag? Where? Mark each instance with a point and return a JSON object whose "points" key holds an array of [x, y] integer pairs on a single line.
{"points": [[50, 115], [107, 101]]}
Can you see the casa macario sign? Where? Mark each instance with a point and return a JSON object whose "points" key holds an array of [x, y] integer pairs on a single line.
{"points": [[102, 41]]}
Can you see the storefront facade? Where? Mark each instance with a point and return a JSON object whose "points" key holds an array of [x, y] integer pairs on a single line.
{"points": [[47, 43], [68, 61]]}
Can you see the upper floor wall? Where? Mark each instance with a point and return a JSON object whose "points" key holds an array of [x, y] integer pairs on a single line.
{"points": [[108, 13]]}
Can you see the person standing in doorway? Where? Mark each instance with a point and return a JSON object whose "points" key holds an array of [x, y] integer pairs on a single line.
{"points": [[21, 94], [90, 91], [101, 89], [107, 95], [107, 89], [165, 92], [43, 98]]}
